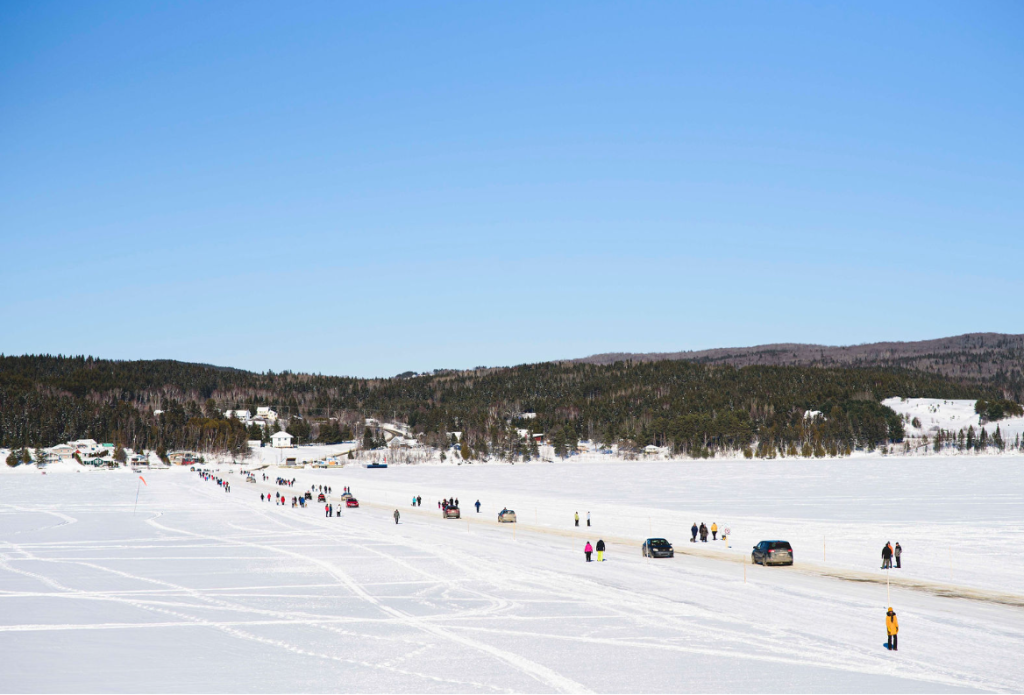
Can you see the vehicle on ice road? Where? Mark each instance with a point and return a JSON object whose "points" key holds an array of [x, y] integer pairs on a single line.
{"points": [[657, 547], [321, 497], [452, 513], [507, 516], [772, 553], [351, 502]]}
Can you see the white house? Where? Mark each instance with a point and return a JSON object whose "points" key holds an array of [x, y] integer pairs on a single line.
{"points": [[265, 413], [281, 440], [63, 452], [242, 415]]}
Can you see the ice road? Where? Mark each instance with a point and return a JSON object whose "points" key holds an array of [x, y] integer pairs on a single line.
{"points": [[204, 591]]}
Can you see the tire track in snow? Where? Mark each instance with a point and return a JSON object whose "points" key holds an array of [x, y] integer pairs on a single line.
{"points": [[540, 673]]}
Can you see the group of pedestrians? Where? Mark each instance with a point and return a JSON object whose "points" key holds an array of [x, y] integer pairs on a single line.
{"points": [[578, 518], [223, 484], [703, 531], [284, 481], [450, 503], [589, 549], [890, 553], [417, 501]]}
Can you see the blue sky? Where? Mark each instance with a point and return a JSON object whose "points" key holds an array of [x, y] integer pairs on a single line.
{"points": [[366, 188]]}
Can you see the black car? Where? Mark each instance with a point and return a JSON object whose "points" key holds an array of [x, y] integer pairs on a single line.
{"points": [[772, 553], [657, 547]]}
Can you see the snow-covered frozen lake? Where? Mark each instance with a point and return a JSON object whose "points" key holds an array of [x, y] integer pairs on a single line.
{"points": [[205, 591]]}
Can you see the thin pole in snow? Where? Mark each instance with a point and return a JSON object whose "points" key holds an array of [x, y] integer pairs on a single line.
{"points": [[138, 487], [888, 598]]}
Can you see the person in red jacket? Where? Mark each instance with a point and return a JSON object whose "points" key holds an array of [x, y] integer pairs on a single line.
{"points": [[587, 550]]}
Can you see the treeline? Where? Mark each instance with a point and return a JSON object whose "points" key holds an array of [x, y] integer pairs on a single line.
{"points": [[695, 409]]}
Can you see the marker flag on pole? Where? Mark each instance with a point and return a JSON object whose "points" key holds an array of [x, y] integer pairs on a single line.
{"points": [[143, 481]]}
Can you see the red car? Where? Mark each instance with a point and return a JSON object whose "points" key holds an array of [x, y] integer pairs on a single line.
{"points": [[351, 502]]}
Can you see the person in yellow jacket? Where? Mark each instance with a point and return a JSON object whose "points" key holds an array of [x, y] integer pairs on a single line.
{"points": [[714, 531], [892, 626]]}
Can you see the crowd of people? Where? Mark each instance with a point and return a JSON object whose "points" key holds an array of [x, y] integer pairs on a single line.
{"points": [[890, 553], [223, 484], [703, 531]]}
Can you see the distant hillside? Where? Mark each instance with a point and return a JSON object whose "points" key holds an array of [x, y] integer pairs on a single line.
{"points": [[994, 357], [691, 407]]}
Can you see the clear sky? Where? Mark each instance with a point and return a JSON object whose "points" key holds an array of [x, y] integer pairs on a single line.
{"points": [[366, 188]]}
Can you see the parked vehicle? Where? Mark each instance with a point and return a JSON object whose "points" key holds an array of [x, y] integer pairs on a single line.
{"points": [[308, 495], [772, 553], [507, 516], [321, 498], [351, 502], [346, 495], [657, 547], [452, 513]]}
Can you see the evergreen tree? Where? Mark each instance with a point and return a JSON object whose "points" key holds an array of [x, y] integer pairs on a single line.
{"points": [[14, 458], [367, 438]]}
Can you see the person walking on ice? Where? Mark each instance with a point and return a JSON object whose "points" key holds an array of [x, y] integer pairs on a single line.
{"points": [[588, 518], [714, 531], [577, 518], [886, 556], [896, 552], [892, 627], [478, 506], [396, 516], [600, 550], [587, 550]]}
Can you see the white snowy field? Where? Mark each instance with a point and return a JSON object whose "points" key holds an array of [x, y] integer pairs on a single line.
{"points": [[950, 415], [203, 591]]}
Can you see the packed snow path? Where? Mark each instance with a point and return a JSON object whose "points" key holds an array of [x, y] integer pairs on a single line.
{"points": [[206, 591]]}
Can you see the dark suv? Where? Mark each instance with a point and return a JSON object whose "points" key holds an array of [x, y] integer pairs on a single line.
{"points": [[772, 553]]}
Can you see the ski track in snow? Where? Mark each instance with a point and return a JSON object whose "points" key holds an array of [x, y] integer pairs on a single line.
{"points": [[437, 605]]}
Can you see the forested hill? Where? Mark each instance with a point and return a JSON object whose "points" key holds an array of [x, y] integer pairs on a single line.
{"points": [[694, 408], [995, 358]]}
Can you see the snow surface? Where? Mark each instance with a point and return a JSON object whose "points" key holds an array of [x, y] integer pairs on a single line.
{"points": [[203, 591], [952, 415]]}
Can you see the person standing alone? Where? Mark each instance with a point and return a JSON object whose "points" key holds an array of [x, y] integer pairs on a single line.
{"points": [[396, 516], [600, 550], [588, 519], [587, 550], [896, 552], [577, 518], [892, 627]]}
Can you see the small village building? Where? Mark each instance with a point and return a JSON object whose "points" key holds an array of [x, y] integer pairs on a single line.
{"points": [[63, 452], [265, 413], [281, 440]]}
